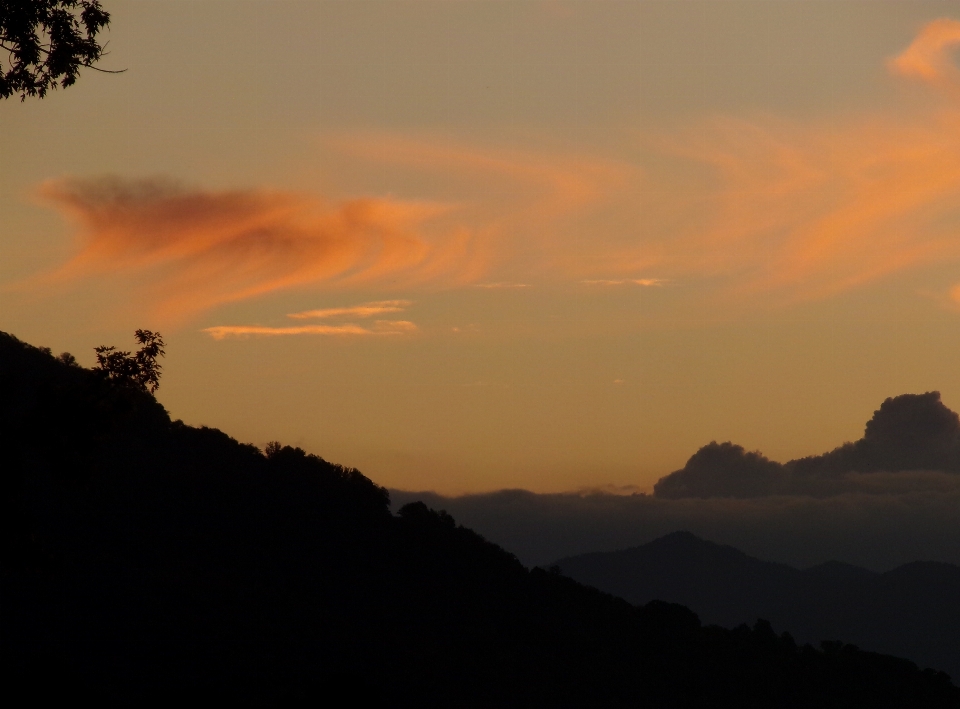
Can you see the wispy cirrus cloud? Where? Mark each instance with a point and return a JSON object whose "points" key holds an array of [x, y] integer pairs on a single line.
{"points": [[799, 211], [555, 184], [625, 281], [807, 212], [190, 250], [928, 56], [791, 210], [381, 328], [502, 284], [185, 250], [379, 307]]}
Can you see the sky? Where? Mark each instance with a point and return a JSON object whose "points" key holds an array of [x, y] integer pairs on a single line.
{"points": [[467, 246]]}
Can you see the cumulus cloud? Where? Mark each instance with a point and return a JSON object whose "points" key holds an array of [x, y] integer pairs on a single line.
{"points": [[194, 249], [366, 310], [912, 443], [381, 328], [723, 470]]}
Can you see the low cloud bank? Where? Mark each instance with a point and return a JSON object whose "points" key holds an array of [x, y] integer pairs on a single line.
{"points": [[877, 531], [887, 499], [911, 444]]}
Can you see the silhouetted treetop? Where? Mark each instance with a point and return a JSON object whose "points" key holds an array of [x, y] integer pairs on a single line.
{"points": [[141, 369], [47, 42]]}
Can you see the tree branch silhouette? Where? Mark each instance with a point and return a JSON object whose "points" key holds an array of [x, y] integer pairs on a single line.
{"points": [[48, 42], [141, 370]]}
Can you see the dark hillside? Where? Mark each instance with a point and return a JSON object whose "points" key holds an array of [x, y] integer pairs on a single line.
{"points": [[146, 561], [911, 611]]}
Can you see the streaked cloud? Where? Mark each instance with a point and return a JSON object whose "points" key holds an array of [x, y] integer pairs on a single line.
{"points": [[791, 211], [804, 212], [379, 307], [796, 211], [561, 183], [380, 329], [190, 249], [928, 56], [625, 281]]}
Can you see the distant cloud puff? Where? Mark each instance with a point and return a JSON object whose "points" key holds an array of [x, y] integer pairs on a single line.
{"points": [[911, 442]]}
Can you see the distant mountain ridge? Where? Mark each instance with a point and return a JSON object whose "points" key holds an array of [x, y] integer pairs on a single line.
{"points": [[912, 611]]}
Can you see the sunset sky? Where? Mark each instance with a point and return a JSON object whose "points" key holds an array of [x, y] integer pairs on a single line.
{"points": [[465, 246]]}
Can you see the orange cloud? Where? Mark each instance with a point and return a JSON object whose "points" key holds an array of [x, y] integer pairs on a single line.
{"points": [[625, 281], [502, 284], [524, 206], [366, 310], [767, 211], [928, 56], [195, 249], [801, 212], [561, 183], [188, 251], [381, 328]]}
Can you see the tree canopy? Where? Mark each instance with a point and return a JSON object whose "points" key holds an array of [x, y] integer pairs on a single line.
{"points": [[141, 370], [47, 43]]}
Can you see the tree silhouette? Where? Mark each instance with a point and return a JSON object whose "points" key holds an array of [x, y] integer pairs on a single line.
{"points": [[141, 369], [47, 42]]}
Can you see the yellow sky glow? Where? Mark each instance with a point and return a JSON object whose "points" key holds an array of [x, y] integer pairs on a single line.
{"points": [[560, 249]]}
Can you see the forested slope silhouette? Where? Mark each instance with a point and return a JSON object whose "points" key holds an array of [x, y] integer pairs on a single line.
{"points": [[910, 611], [148, 561]]}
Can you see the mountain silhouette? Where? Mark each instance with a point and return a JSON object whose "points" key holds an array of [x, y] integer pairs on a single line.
{"points": [[911, 611], [145, 561]]}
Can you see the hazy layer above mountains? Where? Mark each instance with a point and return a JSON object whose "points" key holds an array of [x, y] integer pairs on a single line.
{"points": [[878, 532], [889, 498]]}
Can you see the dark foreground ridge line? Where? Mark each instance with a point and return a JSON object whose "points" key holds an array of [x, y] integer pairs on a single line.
{"points": [[147, 561]]}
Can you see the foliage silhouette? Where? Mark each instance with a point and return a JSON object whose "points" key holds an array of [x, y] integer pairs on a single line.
{"points": [[139, 370], [148, 561], [47, 43]]}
